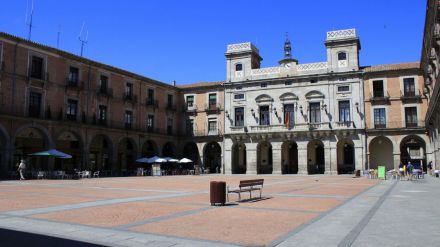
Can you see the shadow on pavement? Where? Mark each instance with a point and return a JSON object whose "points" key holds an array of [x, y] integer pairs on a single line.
{"points": [[9, 238]]}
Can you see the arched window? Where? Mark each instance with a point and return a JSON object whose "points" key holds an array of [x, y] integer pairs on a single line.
{"points": [[238, 67], [342, 56]]}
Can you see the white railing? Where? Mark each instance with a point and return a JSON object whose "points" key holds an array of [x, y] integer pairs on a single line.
{"points": [[341, 34], [312, 66], [266, 71], [242, 47]]}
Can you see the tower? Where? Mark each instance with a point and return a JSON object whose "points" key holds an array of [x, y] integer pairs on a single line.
{"points": [[240, 60], [342, 50], [287, 62]]}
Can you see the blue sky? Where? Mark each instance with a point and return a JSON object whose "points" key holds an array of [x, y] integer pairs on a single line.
{"points": [[186, 40]]}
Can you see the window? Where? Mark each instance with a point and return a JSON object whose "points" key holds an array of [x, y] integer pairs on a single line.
{"points": [[239, 96], [414, 152], [289, 115], [239, 116], [104, 84], [102, 114], [411, 116], [128, 119], [150, 123], [212, 101], [170, 101], [72, 109], [263, 84], [379, 118], [128, 90], [344, 111], [342, 56], [169, 126], [37, 67], [212, 127], [315, 112], [378, 91], [288, 83], [409, 87], [150, 96], [190, 127], [313, 81], [189, 101], [73, 76], [343, 89], [264, 115], [238, 67], [34, 104], [239, 88]]}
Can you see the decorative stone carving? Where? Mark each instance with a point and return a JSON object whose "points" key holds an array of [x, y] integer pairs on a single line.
{"points": [[311, 66]]}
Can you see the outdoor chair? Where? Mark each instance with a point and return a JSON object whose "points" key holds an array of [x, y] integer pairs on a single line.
{"points": [[96, 174], [41, 175]]}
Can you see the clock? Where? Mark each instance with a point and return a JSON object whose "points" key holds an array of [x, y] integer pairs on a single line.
{"points": [[287, 65]]}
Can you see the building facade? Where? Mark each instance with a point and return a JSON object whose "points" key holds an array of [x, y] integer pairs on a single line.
{"points": [[395, 107], [295, 118], [104, 116], [429, 64]]}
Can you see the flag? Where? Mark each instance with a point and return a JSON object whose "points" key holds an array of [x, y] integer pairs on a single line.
{"points": [[286, 118]]}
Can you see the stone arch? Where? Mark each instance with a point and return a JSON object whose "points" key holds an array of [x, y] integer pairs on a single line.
{"points": [[315, 157], [238, 158], [100, 155], [126, 155], [264, 158], [263, 98], [191, 151], [4, 151], [345, 156], [149, 149], [413, 149], [212, 157], [289, 160], [288, 97], [30, 139], [70, 142], [169, 150], [381, 153]]}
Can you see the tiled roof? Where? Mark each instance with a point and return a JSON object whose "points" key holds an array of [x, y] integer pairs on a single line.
{"points": [[391, 67], [201, 84]]}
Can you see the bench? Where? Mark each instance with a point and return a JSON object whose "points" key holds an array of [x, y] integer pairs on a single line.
{"points": [[247, 186]]}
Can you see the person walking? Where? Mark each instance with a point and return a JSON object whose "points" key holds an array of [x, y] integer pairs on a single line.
{"points": [[21, 169], [409, 169], [401, 171], [430, 168]]}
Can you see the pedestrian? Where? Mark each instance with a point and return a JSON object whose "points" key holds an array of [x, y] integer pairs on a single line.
{"points": [[409, 169], [401, 171], [21, 169], [430, 168]]}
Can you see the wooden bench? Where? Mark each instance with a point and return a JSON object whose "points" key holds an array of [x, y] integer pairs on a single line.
{"points": [[247, 186]]}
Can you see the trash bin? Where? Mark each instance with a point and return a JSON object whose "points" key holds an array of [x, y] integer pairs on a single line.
{"points": [[358, 173], [217, 193]]}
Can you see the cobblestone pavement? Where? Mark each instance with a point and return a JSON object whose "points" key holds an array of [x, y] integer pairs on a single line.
{"points": [[175, 210]]}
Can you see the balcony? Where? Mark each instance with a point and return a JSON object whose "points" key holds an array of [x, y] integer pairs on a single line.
{"points": [[129, 97], [128, 126], [213, 107], [190, 108], [150, 102], [170, 107], [380, 97], [380, 125], [74, 85], [203, 132], [410, 96], [108, 92], [400, 125], [345, 124], [2, 67]]}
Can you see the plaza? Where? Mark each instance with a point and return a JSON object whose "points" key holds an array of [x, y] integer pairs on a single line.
{"points": [[175, 211]]}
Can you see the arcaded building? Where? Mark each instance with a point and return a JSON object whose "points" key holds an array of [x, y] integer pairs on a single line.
{"points": [[105, 117], [395, 107], [295, 118]]}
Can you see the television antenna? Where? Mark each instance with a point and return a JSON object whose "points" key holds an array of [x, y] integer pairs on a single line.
{"points": [[29, 15], [58, 36], [83, 37]]}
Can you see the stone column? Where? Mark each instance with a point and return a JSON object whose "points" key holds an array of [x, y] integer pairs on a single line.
{"points": [[302, 158], [396, 158], [332, 168], [251, 158], [359, 158], [227, 158], [328, 159], [276, 157]]}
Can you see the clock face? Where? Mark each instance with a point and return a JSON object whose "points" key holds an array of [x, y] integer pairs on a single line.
{"points": [[287, 65]]}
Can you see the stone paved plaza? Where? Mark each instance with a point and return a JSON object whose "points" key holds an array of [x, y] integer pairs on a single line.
{"points": [[175, 211]]}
